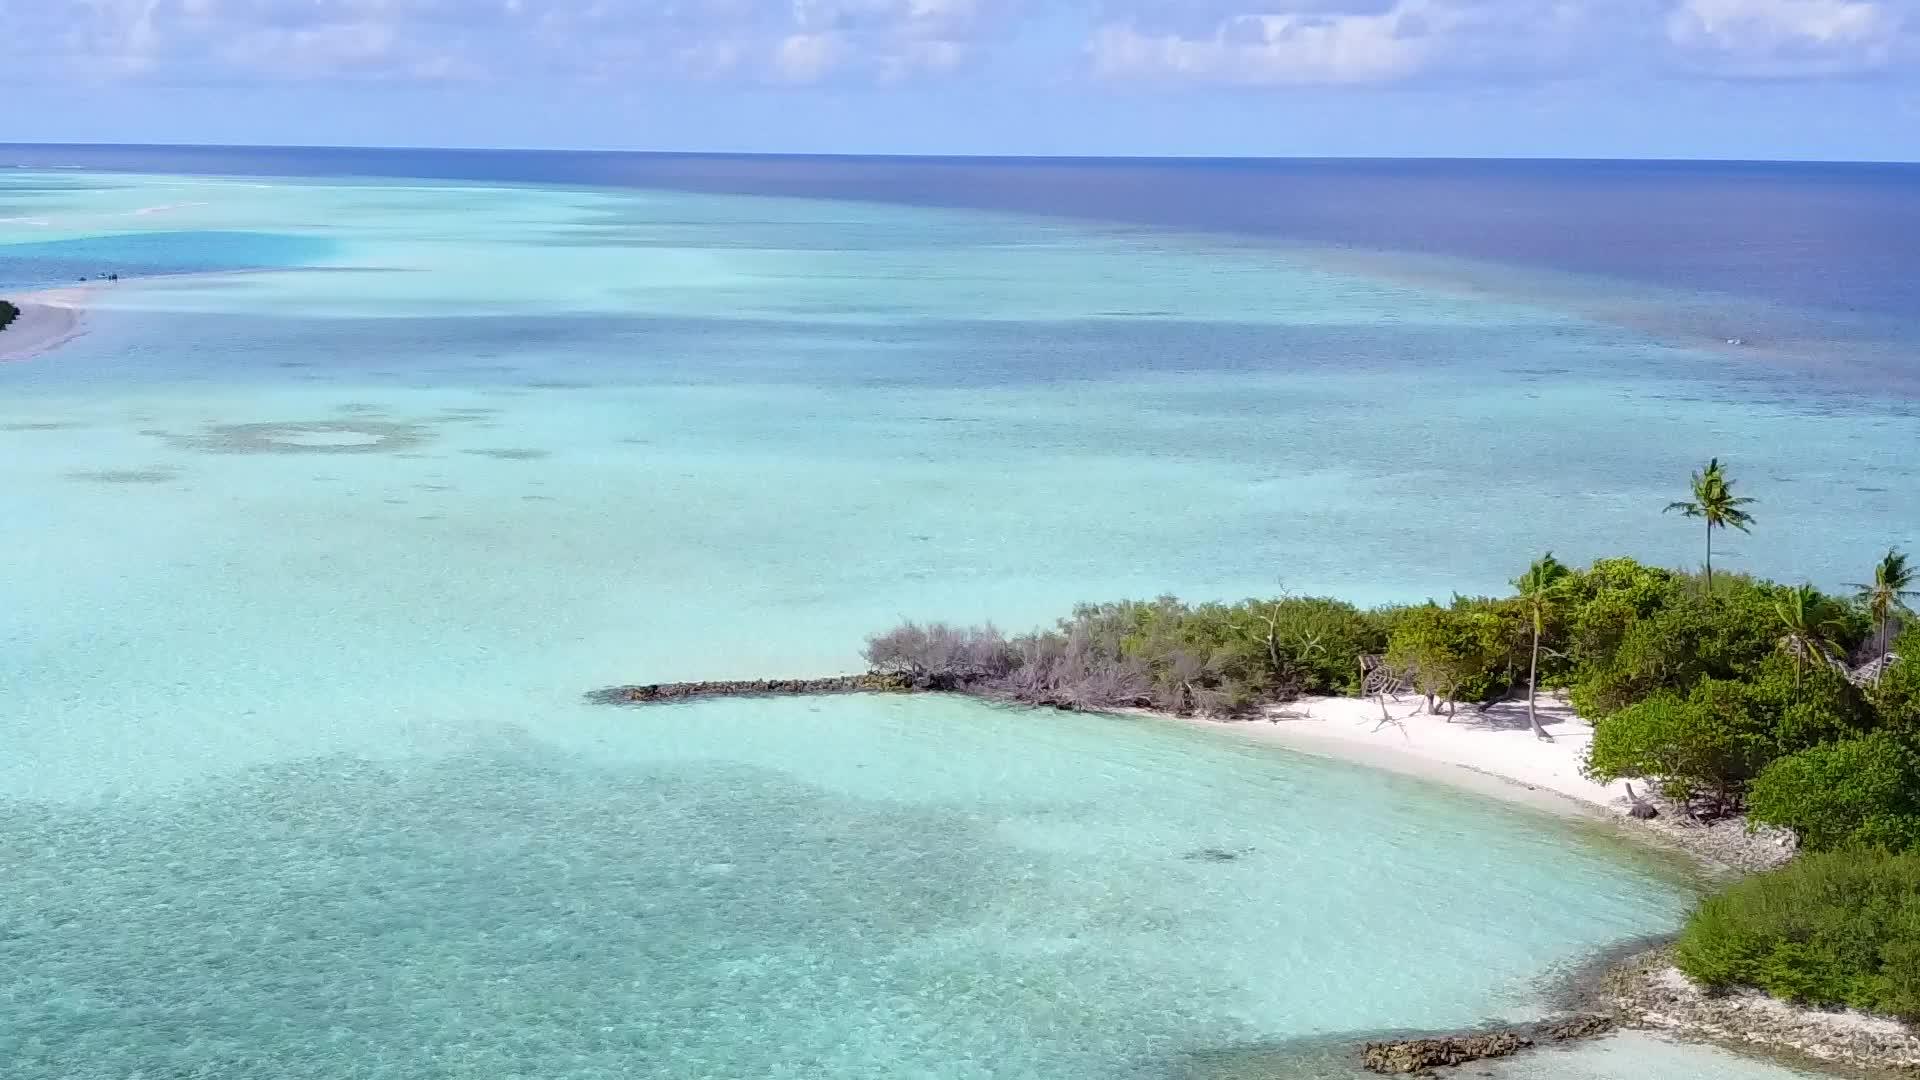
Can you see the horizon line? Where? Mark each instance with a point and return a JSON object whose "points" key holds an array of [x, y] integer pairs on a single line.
{"points": [[963, 157]]}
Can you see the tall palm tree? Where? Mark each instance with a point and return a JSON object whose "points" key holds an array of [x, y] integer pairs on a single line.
{"points": [[1714, 500], [1887, 597], [1811, 621], [1539, 587]]}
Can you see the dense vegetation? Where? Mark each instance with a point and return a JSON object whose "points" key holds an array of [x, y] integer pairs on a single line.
{"points": [[8, 313], [1723, 692], [1208, 658], [1835, 929]]}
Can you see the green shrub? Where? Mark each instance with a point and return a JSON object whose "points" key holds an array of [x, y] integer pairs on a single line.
{"points": [[1606, 600], [1705, 743], [1857, 793], [1464, 652], [1205, 658], [1803, 708], [1318, 642], [8, 313], [1840, 928], [1638, 633], [1723, 732], [1696, 638]]}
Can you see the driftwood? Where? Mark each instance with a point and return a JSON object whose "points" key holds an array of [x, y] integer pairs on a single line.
{"points": [[667, 693], [1381, 679]]}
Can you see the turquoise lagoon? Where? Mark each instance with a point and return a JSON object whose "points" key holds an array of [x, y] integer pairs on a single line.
{"points": [[314, 544]]}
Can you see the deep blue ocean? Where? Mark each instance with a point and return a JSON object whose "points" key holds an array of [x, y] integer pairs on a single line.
{"points": [[1838, 236]]}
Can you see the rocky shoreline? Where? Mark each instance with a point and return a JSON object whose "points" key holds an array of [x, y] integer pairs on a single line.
{"points": [[1730, 843], [673, 693], [1419, 1057], [1640, 988], [1648, 991]]}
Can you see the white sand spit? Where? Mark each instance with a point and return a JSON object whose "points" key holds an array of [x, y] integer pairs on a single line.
{"points": [[48, 319]]}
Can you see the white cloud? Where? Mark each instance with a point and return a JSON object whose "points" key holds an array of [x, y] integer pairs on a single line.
{"points": [[788, 41], [1272, 49], [1354, 42], [1348, 42], [808, 57], [1787, 37], [1247, 42], [775, 40]]}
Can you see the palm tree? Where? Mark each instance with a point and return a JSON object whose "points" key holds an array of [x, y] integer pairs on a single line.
{"points": [[1539, 587], [1714, 500], [1887, 597], [1811, 621]]}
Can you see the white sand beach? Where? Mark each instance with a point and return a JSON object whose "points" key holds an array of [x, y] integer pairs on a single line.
{"points": [[48, 319], [1492, 752], [1495, 753]]}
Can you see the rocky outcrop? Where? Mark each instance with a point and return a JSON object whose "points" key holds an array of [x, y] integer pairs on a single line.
{"points": [[1574, 1028], [667, 693], [1648, 991], [1730, 842], [1419, 1057]]}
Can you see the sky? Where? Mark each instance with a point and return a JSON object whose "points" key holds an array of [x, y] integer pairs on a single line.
{"points": [[1786, 79]]}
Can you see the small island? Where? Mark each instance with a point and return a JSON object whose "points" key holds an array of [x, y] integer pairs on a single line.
{"points": [[1773, 729]]}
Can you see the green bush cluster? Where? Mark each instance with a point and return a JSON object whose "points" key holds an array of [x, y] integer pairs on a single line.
{"points": [[8, 313], [1221, 657], [1205, 658], [1862, 792], [1230, 657], [1832, 929], [1702, 692], [1470, 650]]}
